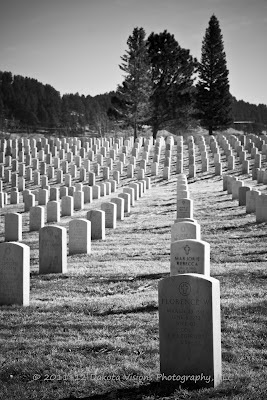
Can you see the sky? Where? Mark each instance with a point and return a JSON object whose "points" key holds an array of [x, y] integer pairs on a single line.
{"points": [[76, 45]]}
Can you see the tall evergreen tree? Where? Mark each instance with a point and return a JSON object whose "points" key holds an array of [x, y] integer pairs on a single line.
{"points": [[172, 69], [136, 87], [213, 100]]}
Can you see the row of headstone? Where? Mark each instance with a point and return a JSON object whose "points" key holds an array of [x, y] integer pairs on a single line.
{"points": [[253, 200], [15, 260], [189, 307], [14, 198], [20, 180]]}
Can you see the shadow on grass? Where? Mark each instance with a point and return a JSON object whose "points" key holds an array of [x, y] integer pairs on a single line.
{"points": [[224, 200], [257, 252], [136, 278], [234, 227], [233, 207], [254, 236], [144, 309], [156, 228], [165, 205], [163, 390]]}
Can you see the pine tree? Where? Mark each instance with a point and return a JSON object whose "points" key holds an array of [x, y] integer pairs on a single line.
{"points": [[172, 82], [136, 87], [213, 100]]}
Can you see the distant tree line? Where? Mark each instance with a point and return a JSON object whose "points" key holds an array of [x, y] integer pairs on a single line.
{"points": [[164, 87], [28, 104], [255, 114]]}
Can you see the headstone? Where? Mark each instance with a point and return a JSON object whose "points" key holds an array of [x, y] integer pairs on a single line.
{"points": [[251, 199], [96, 192], [53, 211], [54, 194], [71, 190], [13, 227], [185, 230], [67, 206], [113, 185], [116, 176], [82, 174], [261, 208], [91, 178], [110, 214], [21, 184], [135, 186], [190, 256], [192, 171], [218, 168], [52, 250], [97, 219], [108, 187], [67, 180], [127, 201], [79, 236], [63, 191], [235, 189], [29, 201], [154, 169], [190, 330], [231, 162], [130, 171], [43, 197], [182, 194], [36, 178], [130, 191], [184, 209], [88, 194], [36, 218], [14, 274], [14, 197], [166, 173], [78, 200], [44, 181], [242, 195], [120, 207], [105, 173]]}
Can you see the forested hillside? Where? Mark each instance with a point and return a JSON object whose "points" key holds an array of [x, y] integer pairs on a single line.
{"points": [[26, 103]]}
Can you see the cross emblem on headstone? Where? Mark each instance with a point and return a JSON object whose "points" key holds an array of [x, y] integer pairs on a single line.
{"points": [[187, 249], [184, 288]]}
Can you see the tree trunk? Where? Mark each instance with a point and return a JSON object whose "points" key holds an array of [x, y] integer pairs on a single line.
{"points": [[210, 130], [135, 130], [155, 131]]}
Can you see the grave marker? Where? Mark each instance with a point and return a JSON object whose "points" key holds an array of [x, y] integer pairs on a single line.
{"points": [[190, 330], [110, 214], [184, 209], [190, 256], [97, 219], [13, 227], [14, 274], [79, 236], [36, 218], [52, 250], [185, 230]]}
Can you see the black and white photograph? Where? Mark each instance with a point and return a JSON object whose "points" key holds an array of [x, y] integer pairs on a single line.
{"points": [[133, 199]]}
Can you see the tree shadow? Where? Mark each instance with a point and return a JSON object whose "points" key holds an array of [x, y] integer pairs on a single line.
{"points": [[143, 309], [136, 278], [161, 389]]}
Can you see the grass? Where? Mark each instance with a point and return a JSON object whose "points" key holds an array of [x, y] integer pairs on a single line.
{"points": [[92, 333]]}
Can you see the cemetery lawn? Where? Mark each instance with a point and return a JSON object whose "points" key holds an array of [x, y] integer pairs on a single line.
{"points": [[92, 333]]}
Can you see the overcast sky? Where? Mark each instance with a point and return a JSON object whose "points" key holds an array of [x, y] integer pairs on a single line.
{"points": [[76, 45]]}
